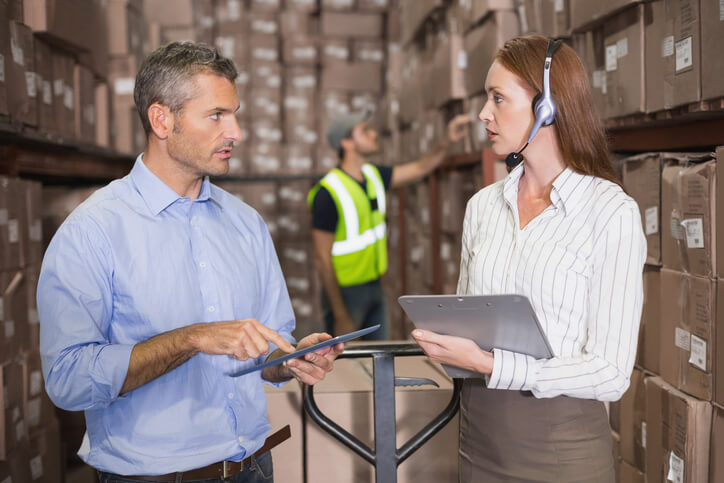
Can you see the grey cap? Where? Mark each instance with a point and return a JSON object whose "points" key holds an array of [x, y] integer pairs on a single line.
{"points": [[341, 127]]}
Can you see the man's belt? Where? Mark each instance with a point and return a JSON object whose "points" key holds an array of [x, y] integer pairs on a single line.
{"points": [[222, 469]]}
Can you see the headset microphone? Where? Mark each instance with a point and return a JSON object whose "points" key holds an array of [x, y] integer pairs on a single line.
{"points": [[543, 106]]}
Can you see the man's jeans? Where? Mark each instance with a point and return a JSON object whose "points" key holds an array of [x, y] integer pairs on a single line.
{"points": [[365, 305], [260, 470]]}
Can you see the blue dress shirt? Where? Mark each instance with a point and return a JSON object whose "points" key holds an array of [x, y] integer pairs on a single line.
{"points": [[133, 261]]}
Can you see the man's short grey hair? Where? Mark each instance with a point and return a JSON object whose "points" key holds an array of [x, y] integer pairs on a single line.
{"points": [[165, 76]]}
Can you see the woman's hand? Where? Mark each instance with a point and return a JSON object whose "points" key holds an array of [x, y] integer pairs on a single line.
{"points": [[454, 351]]}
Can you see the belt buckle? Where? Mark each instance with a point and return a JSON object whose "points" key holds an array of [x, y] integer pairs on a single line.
{"points": [[226, 469]]}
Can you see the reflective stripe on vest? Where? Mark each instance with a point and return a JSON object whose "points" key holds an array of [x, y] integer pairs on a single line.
{"points": [[356, 241]]}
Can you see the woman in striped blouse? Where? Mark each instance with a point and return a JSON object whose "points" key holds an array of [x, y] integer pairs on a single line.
{"points": [[560, 230]]}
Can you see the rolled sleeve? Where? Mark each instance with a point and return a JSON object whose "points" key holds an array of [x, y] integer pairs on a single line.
{"points": [[512, 371]]}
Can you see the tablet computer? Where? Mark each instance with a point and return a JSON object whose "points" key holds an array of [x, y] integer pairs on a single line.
{"points": [[505, 322], [307, 350]]}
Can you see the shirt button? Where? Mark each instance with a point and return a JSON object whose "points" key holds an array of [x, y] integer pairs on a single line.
{"points": [[231, 395], [202, 264], [241, 439], [212, 308], [193, 222]]}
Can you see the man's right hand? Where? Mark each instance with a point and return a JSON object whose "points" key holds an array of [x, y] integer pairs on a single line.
{"points": [[343, 325], [241, 339]]}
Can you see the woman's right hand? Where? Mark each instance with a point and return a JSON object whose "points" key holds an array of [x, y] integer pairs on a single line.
{"points": [[454, 351]]}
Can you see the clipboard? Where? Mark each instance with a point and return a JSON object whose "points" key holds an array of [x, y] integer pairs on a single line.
{"points": [[307, 350], [505, 322]]}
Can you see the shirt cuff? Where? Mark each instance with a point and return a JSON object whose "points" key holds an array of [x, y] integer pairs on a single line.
{"points": [[109, 372], [512, 371]]}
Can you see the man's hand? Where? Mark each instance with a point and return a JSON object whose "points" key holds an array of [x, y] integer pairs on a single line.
{"points": [[312, 368], [241, 339], [458, 127]]}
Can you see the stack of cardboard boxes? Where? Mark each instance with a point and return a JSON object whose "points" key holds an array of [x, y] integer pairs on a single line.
{"points": [[30, 448], [668, 417]]}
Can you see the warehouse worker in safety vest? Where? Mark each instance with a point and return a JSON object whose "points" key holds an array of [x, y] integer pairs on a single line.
{"points": [[348, 222]]}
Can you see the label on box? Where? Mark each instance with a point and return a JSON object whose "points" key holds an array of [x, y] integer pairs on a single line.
{"points": [[36, 383], [622, 48], [651, 216], [68, 98], [643, 434], [304, 81], [13, 231], [559, 6], [462, 60], [304, 53], [371, 55], [36, 231], [721, 10], [33, 316], [523, 19], [604, 83], [2, 68], [34, 412], [36, 467], [234, 10], [677, 229], [264, 26], [2, 309], [47, 93], [226, 46], [3, 217], [265, 54], [597, 75], [676, 469], [9, 326], [667, 46], [31, 84], [611, 58], [694, 232], [682, 339], [301, 162], [684, 58], [17, 52], [234, 164], [58, 87], [20, 430], [89, 113], [336, 51], [698, 352], [445, 251]]}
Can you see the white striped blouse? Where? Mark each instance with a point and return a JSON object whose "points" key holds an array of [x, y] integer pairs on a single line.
{"points": [[580, 263]]}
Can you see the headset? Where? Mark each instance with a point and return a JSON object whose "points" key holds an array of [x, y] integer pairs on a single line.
{"points": [[544, 108]]}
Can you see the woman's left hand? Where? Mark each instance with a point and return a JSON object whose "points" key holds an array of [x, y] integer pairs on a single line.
{"points": [[454, 351]]}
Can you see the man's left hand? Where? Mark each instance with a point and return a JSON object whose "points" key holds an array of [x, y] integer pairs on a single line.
{"points": [[312, 368]]}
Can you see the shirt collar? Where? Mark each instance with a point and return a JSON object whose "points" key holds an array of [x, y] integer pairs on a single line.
{"points": [[566, 193], [157, 194]]}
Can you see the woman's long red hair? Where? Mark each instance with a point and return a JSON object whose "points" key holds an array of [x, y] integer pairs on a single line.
{"points": [[579, 131]]}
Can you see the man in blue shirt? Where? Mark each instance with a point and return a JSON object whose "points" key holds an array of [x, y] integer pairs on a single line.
{"points": [[161, 285]]}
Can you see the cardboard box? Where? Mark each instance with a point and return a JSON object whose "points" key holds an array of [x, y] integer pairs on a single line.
{"points": [[673, 62], [302, 131], [169, 13], [301, 5], [293, 194], [413, 13], [556, 20], [16, 466], [38, 410], [20, 76], [712, 44], [374, 5], [294, 22], [450, 247], [688, 330], [5, 57], [716, 460], [126, 28], [345, 396], [13, 431], [31, 225], [266, 131], [102, 104], [298, 160], [335, 50], [633, 422], [589, 47], [482, 8], [368, 51], [264, 48], [481, 44], [13, 315], [265, 5], [688, 201], [62, 66], [10, 215], [719, 361], [530, 15], [265, 103], [263, 23], [585, 13], [284, 406], [642, 180], [649, 347], [46, 463], [677, 434], [630, 474], [623, 43], [300, 50], [233, 46], [337, 4], [360, 76], [31, 275], [266, 74], [85, 109], [260, 195], [265, 158], [43, 86], [357, 24], [446, 81]]}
